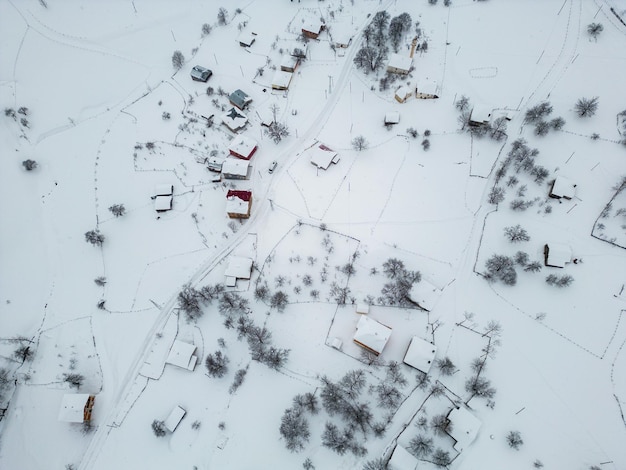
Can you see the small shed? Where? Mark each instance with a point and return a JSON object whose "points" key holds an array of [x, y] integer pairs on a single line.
{"points": [[239, 267], [243, 147], [312, 29], [464, 427], [557, 255], [562, 188], [239, 99], [420, 354], [371, 335], [238, 204], [399, 64], [424, 294], [402, 459], [402, 94], [322, 156], [235, 169], [289, 63], [182, 355], [164, 190], [235, 120], [247, 38], [174, 418], [76, 407], [362, 308], [392, 117], [281, 80], [163, 197]]}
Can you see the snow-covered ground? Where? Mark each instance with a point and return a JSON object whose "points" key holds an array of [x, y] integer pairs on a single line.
{"points": [[108, 118]]}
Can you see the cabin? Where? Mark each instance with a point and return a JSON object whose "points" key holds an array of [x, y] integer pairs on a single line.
{"points": [[239, 99], [312, 29], [399, 64], [235, 169], [557, 255], [426, 90], [281, 80], [562, 188], [402, 459], [392, 117], [235, 120], [402, 94], [239, 267], [322, 156], [480, 115], [420, 354], [243, 147], [182, 355], [163, 197], [238, 204], [247, 39], [424, 295], [289, 63], [371, 335], [76, 407], [174, 418], [464, 427]]}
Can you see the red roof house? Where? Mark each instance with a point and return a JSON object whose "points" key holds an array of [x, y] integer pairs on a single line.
{"points": [[238, 204], [242, 147]]}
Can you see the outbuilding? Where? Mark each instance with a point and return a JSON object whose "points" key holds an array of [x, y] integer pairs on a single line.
{"points": [[174, 418], [289, 63], [562, 188], [76, 407], [281, 80], [239, 267], [312, 29], [322, 156], [557, 255], [392, 117], [163, 197]]}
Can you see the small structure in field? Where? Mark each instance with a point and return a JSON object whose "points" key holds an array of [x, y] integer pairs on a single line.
{"points": [[174, 418], [235, 120], [464, 427], [402, 94], [322, 156], [182, 355], [426, 90], [362, 308], [247, 38], [371, 335], [243, 147], [402, 459], [235, 169], [420, 354], [76, 407], [557, 255], [239, 267], [424, 294], [238, 204], [399, 64], [281, 80], [312, 29], [480, 115], [289, 63], [239, 99], [392, 117], [342, 39], [163, 197], [562, 187], [214, 163]]}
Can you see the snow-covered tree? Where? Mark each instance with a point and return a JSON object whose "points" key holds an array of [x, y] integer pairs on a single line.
{"points": [[586, 107], [178, 60]]}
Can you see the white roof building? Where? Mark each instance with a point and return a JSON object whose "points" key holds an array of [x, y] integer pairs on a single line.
{"points": [[76, 407], [420, 354], [281, 80], [362, 308], [464, 427], [401, 459], [563, 188], [182, 355], [247, 38], [481, 114], [239, 267], [392, 117], [371, 334], [234, 119], [174, 418], [402, 94], [424, 294], [322, 156], [557, 255], [164, 190], [163, 203], [399, 63], [242, 147], [426, 88], [235, 168], [289, 63]]}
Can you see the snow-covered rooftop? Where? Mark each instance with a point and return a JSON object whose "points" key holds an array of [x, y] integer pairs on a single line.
{"points": [[481, 113], [174, 418], [163, 189], [399, 62], [234, 119], [425, 294], [372, 335], [239, 267], [464, 427], [558, 254], [402, 459], [322, 156], [392, 117], [235, 167], [563, 188], [281, 80], [163, 203], [73, 407], [182, 355], [420, 354], [242, 146]]}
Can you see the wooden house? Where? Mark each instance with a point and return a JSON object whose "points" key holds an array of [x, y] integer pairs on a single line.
{"points": [[371, 335], [76, 407], [238, 204]]}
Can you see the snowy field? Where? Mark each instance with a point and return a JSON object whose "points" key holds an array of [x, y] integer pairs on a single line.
{"points": [[410, 228]]}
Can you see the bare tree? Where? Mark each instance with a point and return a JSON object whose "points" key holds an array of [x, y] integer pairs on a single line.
{"points": [[117, 210], [586, 107], [294, 428], [445, 366], [222, 16], [178, 60], [370, 58], [29, 165], [360, 143], [94, 237], [277, 131], [514, 440], [158, 428], [594, 30], [420, 446], [217, 364], [516, 234]]}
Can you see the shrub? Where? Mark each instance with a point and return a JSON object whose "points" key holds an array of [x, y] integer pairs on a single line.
{"points": [[30, 165], [514, 439], [445, 366], [94, 237], [217, 364], [75, 380], [117, 210], [158, 428]]}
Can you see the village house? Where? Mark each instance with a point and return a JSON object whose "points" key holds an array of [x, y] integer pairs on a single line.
{"points": [[289, 63], [182, 355], [247, 38], [399, 64], [424, 295], [239, 99], [174, 418], [480, 115], [463, 428], [242, 147], [426, 90], [235, 169], [235, 120], [281, 80], [312, 29], [392, 117], [557, 255], [239, 267], [163, 197], [402, 459], [76, 407], [322, 156], [371, 335], [562, 188], [420, 354], [238, 204], [402, 94]]}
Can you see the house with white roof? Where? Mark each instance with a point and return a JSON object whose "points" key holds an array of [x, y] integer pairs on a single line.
{"points": [[247, 38], [480, 115], [281, 80], [424, 294], [234, 119], [426, 90], [371, 335], [557, 255], [322, 156], [562, 188], [238, 204], [420, 354], [402, 94], [399, 64], [235, 168], [402, 459], [182, 355], [76, 407], [464, 427], [242, 147], [312, 28], [392, 117], [289, 63], [239, 267], [174, 418], [163, 197]]}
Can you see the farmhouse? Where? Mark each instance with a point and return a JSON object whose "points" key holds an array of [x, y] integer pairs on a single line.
{"points": [[235, 169], [239, 99], [289, 63], [322, 156], [247, 39], [557, 255], [371, 335], [76, 407], [402, 94], [239, 267], [182, 355], [312, 29], [392, 117], [562, 188], [402, 459], [163, 197], [399, 64], [242, 147], [281, 80], [426, 90], [464, 427], [238, 204], [424, 294], [420, 354], [234, 120], [480, 115], [174, 418]]}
